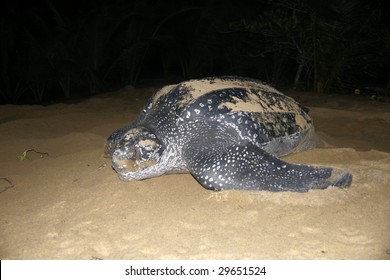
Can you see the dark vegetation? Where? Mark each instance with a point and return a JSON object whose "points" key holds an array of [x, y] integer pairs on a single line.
{"points": [[55, 50]]}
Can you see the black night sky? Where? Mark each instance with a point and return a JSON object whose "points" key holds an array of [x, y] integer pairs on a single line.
{"points": [[57, 50]]}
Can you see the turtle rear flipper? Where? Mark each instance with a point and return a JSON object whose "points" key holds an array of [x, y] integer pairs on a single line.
{"points": [[247, 167]]}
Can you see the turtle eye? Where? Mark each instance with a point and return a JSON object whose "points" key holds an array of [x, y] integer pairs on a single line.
{"points": [[133, 153]]}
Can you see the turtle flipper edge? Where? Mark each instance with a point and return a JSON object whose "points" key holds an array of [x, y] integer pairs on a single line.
{"points": [[247, 167]]}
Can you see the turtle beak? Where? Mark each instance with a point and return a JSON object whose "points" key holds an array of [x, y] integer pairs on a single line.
{"points": [[125, 161]]}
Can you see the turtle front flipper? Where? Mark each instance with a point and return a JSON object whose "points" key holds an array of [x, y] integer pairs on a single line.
{"points": [[218, 166]]}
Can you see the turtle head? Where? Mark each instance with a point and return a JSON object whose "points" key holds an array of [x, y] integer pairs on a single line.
{"points": [[137, 154]]}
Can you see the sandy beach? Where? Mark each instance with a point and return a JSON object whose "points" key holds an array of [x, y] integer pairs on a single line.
{"points": [[68, 203]]}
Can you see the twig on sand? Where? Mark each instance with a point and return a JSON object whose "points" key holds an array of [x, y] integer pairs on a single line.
{"points": [[6, 187], [24, 156], [101, 166]]}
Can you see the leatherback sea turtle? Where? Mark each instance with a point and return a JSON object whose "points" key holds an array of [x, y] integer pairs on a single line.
{"points": [[227, 132]]}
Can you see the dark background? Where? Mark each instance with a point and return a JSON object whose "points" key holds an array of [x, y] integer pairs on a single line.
{"points": [[53, 51]]}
